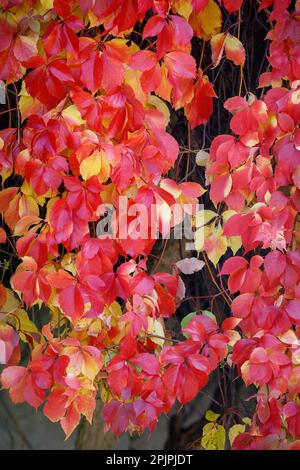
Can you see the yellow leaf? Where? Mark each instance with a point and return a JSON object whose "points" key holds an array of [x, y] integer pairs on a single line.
{"points": [[46, 4], [73, 116], [211, 416], [183, 8], [28, 191], [207, 22], [156, 328], [10, 306], [235, 430], [93, 19], [28, 206], [234, 243], [95, 327], [90, 367], [132, 78], [215, 245], [247, 421], [213, 437], [82, 324], [105, 169], [204, 216], [200, 236], [29, 105], [26, 327], [161, 106], [68, 263], [12, 303], [111, 314], [104, 392], [115, 309], [91, 166]]}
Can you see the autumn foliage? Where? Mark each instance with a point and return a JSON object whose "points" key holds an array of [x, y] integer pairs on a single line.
{"points": [[96, 80]]}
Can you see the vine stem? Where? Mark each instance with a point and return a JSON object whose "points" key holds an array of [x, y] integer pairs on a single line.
{"points": [[188, 152], [213, 279], [241, 67], [202, 54], [161, 256], [9, 254], [150, 335]]}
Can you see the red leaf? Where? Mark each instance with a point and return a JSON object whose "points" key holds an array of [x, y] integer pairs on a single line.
{"points": [[181, 68], [220, 188], [199, 5], [234, 50], [6, 35], [293, 311], [2, 235], [24, 48], [232, 5], [9, 340], [12, 376], [147, 362], [61, 279], [274, 264], [55, 407], [61, 220], [70, 422], [71, 302], [153, 26], [233, 264], [199, 110], [241, 305], [143, 60]]}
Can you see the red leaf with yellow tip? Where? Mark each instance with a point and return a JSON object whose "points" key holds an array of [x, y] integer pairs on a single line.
{"points": [[232, 46], [234, 50]]}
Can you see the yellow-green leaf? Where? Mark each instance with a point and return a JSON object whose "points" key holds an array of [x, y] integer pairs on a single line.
{"points": [[211, 416], [26, 327], [235, 430], [247, 421], [213, 437]]}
